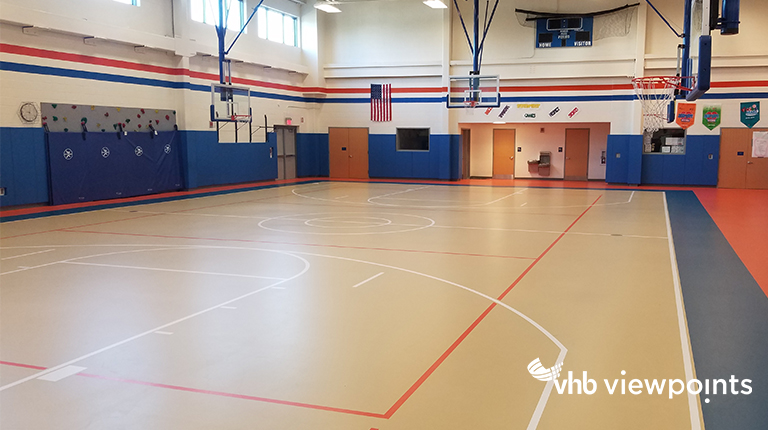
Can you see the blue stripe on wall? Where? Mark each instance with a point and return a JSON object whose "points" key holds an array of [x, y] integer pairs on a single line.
{"points": [[107, 77], [727, 316]]}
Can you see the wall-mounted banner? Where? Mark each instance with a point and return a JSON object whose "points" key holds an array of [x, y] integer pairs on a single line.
{"points": [[750, 113], [686, 114], [711, 116], [573, 112], [528, 106], [504, 111], [554, 111], [488, 111]]}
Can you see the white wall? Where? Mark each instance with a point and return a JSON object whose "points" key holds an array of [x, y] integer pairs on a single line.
{"points": [[400, 42]]}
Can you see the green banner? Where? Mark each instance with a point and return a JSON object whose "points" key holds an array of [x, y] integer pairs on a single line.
{"points": [[750, 113], [711, 116]]}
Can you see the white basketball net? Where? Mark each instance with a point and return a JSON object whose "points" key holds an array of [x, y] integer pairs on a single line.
{"points": [[655, 93]]}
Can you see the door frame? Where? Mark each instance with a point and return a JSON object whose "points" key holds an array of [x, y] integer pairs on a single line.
{"points": [[367, 150], [466, 154], [295, 155], [565, 154], [493, 154]]}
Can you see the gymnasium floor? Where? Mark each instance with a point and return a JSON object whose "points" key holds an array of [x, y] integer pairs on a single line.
{"points": [[376, 305]]}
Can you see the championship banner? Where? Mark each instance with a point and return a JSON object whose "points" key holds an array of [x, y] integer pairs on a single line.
{"points": [[686, 114], [711, 116], [750, 113]]}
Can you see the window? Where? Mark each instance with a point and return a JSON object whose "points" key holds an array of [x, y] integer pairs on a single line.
{"points": [[413, 139], [131, 2], [207, 11], [664, 141], [276, 26]]}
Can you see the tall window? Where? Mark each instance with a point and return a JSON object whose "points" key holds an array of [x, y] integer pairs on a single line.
{"points": [[131, 2], [207, 11], [276, 26]]}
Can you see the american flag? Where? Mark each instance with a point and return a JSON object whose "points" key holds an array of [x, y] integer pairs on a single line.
{"points": [[381, 102]]}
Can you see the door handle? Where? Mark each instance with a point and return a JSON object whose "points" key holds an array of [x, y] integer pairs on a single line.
{"points": [[749, 162], [511, 158], [350, 156], [567, 158]]}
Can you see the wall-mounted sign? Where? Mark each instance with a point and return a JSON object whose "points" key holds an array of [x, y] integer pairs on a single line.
{"points": [[750, 113], [686, 112]]}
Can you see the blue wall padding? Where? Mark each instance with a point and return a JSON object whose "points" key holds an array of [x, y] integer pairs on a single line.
{"points": [[23, 166], [633, 167], [312, 155], [442, 161], [616, 159], [81, 172], [699, 169], [208, 162], [692, 168]]}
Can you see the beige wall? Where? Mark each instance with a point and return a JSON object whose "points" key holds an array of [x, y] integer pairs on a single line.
{"points": [[532, 140]]}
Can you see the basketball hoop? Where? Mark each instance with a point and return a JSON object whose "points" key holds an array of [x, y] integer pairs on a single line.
{"points": [[241, 118], [655, 94]]}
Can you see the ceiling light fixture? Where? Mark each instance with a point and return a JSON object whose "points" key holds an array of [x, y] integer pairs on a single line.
{"points": [[327, 7], [435, 4]]}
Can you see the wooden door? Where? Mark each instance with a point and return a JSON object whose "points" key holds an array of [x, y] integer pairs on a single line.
{"points": [[358, 153], [734, 149], [504, 153], [465, 154], [576, 154], [338, 152], [757, 168]]}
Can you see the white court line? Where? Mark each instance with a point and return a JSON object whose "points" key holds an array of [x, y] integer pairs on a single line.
{"points": [[342, 197], [228, 307], [25, 255], [435, 206], [195, 272], [167, 333], [369, 279], [61, 373], [397, 193], [693, 406], [160, 328], [523, 204]]}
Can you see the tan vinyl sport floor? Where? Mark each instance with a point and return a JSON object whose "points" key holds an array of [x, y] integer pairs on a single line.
{"points": [[339, 306]]}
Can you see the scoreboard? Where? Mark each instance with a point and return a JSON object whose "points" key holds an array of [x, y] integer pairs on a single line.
{"points": [[564, 32]]}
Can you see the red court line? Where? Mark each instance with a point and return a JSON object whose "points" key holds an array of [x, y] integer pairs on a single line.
{"points": [[479, 319], [391, 411], [210, 392], [236, 396], [150, 197], [271, 242], [26, 366]]}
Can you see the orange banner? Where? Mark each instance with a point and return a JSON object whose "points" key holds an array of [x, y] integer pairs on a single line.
{"points": [[686, 113]]}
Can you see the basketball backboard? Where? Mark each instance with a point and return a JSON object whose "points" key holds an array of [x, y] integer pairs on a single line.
{"points": [[230, 103], [473, 91], [704, 15]]}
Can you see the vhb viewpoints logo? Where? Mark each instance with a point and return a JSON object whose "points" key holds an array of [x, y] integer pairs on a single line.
{"points": [[542, 373]]}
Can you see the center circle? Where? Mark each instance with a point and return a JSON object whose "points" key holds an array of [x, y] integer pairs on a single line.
{"points": [[347, 222]]}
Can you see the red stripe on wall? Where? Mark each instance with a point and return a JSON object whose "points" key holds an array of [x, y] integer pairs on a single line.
{"points": [[174, 71]]}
